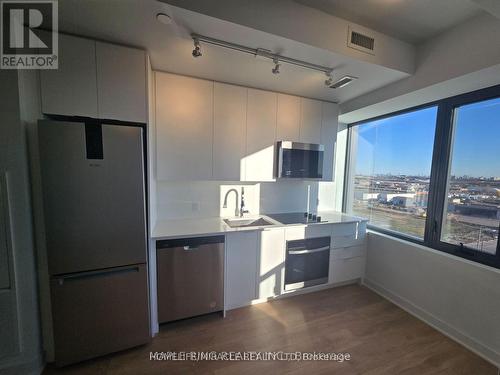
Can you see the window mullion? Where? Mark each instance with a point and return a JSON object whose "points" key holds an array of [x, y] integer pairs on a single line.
{"points": [[439, 174]]}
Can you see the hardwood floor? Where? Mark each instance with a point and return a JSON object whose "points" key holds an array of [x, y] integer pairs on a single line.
{"points": [[380, 337]]}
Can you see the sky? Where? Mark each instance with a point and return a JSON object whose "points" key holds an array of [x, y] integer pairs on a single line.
{"points": [[403, 144]]}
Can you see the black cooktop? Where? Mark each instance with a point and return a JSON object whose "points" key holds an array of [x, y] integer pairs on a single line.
{"points": [[296, 218]]}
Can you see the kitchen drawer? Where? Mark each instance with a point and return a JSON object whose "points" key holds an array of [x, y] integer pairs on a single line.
{"points": [[348, 252], [311, 231], [346, 241], [345, 229], [346, 269]]}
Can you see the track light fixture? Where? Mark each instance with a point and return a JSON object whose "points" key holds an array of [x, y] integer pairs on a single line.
{"points": [[276, 69], [339, 83], [276, 59], [197, 48]]}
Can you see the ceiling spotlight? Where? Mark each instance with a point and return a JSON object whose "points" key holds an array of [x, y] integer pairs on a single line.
{"points": [[329, 79], [164, 18], [276, 69], [197, 49], [341, 82]]}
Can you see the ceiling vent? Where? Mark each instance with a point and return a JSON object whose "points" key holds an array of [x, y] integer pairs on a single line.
{"points": [[360, 41]]}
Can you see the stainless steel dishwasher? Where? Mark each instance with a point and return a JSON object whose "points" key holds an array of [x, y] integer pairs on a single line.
{"points": [[190, 275]]}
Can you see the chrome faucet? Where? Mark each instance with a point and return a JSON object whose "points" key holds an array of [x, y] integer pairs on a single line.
{"points": [[242, 207], [236, 211]]}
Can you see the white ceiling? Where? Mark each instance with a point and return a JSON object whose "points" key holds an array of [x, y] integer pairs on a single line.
{"points": [[133, 22], [413, 21]]}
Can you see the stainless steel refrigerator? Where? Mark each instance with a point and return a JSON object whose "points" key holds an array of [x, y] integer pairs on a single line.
{"points": [[94, 207]]}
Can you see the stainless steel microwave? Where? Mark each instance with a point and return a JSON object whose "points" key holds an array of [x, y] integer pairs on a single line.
{"points": [[299, 160]]}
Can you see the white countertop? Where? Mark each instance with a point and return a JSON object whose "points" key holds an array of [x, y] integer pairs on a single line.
{"points": [[195, 227]]}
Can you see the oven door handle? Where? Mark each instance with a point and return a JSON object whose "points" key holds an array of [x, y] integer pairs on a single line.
{"points": [[308, 251]]}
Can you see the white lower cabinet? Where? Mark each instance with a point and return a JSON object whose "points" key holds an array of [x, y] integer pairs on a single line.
{"points": [[241, 268], [347, 263], [255, 260], [271, 263]]}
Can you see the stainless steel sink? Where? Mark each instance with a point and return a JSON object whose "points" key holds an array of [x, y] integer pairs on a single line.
{"points": [[253, 222]]}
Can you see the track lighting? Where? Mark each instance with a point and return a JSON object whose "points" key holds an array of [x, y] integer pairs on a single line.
{"points": [[197, 49], [276, 59], [276, 69]]}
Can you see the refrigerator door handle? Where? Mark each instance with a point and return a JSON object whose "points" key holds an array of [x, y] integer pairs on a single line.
{"points": [[94, 274]]}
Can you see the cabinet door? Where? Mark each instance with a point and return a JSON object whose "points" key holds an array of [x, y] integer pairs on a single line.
{"points": [[288, 118], [310, 121], [184, 127], [121, 82], [230, 112], [241, 269], [261, 135], [71, 89], [271, 263], [329, 126]]}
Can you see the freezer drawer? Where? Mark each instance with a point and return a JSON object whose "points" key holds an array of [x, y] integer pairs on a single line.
{"points": [[99, 312], [190, 277]]}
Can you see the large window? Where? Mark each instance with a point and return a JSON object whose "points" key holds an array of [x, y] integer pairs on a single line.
{"points": [[392, 160], [432, 175]]}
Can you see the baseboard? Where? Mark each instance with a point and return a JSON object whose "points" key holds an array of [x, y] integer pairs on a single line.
{"points": [[473, 345]]}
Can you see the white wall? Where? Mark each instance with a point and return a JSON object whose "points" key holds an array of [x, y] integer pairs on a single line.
{"points": [[19, 324], [459, 297]]}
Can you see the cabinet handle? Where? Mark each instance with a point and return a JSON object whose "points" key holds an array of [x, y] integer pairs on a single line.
{"points": [[308, 251]]}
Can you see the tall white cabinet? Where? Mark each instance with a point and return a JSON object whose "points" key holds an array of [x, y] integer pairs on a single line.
{"points": [[71, 89], [230, 113], [261, 135], [184, 127]]}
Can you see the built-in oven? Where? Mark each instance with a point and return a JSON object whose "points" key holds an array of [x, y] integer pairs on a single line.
{"points": [[307, 262], [299, 160]]}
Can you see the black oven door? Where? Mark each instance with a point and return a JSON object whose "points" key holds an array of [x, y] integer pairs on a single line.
{"points": [[307, 262]]}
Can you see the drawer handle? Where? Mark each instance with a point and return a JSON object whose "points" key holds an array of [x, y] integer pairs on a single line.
{"points": [[308, 251], [190, 248], [95, 274]]}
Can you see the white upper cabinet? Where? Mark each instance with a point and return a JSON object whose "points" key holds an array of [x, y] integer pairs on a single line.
{"points": [[329, 128], [310, 121], [271, 263], [261, 135], [97, 80], [71, 89], [184, 127], [230, 113], [121, 82], [288, 118]]}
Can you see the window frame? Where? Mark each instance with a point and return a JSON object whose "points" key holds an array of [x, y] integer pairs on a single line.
{"points": [[438, 183]]}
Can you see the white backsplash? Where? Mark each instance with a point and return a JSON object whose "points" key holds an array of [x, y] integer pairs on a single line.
{"points": [[194, 199]]}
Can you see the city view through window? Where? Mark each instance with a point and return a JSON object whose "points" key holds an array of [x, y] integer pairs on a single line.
{"points": [[392, 161], [472, 213]]}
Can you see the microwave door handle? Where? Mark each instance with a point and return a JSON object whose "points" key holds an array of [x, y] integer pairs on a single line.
{"points": [[308, 251]]}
